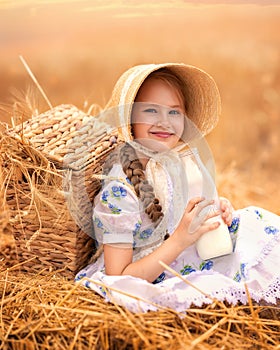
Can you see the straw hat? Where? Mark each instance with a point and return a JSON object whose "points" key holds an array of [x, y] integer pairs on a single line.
{"points": [[199, 88]]}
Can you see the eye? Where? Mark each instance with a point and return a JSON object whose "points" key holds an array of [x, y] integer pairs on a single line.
{"points": [[150, 110], [175, 112]]}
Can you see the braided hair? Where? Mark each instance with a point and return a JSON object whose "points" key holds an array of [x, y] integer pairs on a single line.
{"points": [[134, 171]]}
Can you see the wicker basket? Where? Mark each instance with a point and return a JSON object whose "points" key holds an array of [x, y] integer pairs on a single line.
{"points": [[49, 165]]}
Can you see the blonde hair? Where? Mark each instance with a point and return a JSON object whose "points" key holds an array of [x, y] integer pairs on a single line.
{"points": [[171, 79]]}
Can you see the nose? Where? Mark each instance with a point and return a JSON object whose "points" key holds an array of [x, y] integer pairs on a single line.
{"points": [[163, 118]]}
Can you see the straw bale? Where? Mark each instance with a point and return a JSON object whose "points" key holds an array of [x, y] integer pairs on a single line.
{"points": [[48, 167], [46, 311]]}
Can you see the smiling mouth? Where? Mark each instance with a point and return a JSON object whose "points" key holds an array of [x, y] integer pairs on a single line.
{"points": [[162, 134]]}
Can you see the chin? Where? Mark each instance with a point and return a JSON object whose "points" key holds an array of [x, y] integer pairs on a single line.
{"points": [[157, 145]]}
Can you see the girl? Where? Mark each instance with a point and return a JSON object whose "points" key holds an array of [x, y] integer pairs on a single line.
{"points": [[158, 200]]}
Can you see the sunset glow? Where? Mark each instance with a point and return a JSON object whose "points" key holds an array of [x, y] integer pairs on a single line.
{"points": [[77, 49]]}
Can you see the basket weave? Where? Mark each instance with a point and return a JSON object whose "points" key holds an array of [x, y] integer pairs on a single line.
{"points": [[49, 165]]}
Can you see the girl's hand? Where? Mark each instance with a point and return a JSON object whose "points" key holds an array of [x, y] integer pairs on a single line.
{"points": [[119, 259], [195, 221], [226, 209]]}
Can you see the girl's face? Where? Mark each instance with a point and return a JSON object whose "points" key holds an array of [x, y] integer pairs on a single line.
{"points": [[158, 115]]}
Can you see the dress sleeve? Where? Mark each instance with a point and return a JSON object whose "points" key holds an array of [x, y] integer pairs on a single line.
{"points": [[116, 214]]}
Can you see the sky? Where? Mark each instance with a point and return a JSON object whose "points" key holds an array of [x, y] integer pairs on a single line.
{"points": [[97, 5]]}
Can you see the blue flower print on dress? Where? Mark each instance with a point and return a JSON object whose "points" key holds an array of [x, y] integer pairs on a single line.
{"points": [[104, 197], [80, 276], [259, 214], [87, 284], [241, 274], [146, 233], [271, 230], [187, 270], [206, 265], [237, 277], [98, 222], [116, 192], [114, 209], [234, 225], [136, 232], [119, 192], [137, 228], [160, 278], [243, 271], [103, 291], [100, 225]]}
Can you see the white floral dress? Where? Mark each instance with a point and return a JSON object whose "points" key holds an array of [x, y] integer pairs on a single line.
{"points": [[255, 260]]}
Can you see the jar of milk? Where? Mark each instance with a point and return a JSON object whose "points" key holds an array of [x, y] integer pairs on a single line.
{"points": [[217, 242]]}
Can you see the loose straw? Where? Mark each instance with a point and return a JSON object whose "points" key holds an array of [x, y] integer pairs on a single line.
{"points": [[35, 81]]}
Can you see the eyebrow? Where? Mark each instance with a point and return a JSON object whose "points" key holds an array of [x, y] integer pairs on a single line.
{"points": [[156, 105]]}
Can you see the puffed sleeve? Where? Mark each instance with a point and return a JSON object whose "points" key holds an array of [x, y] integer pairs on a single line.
{"points": [[116, 213]]}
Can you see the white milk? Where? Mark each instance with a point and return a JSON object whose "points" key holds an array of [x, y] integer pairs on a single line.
{"points": [[215, 243]]}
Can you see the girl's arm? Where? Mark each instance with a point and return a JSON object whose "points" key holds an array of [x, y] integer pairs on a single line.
{"points": [[118, 261]]}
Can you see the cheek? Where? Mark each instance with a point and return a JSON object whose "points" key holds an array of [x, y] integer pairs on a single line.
{"points": [[140, 130], [179, 126]]}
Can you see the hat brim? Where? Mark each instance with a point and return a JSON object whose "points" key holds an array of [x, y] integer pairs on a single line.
{"points": [[199, 89]]}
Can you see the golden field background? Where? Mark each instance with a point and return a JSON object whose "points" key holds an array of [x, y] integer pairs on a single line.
{"points": [[78, 49]]}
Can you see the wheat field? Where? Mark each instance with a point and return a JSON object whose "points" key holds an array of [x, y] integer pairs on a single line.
{"points": [[77, 50], [77, 53]]}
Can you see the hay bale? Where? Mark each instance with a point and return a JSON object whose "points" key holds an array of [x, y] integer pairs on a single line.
{"points": [[48, 167], [49, 312]]}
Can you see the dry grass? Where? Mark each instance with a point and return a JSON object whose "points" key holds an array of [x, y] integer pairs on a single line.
{"points": [[47, 311]]}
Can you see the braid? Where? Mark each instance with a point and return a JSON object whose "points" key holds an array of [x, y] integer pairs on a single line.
{"points": [[134, 171]]}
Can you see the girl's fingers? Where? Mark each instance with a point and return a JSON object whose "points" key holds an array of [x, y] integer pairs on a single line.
{"points": [[200, 213], [212, 214], [227, 218], [193, 203], [201, 208], [198, 203], [227, 212], [224, 205], [206, 227]]}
